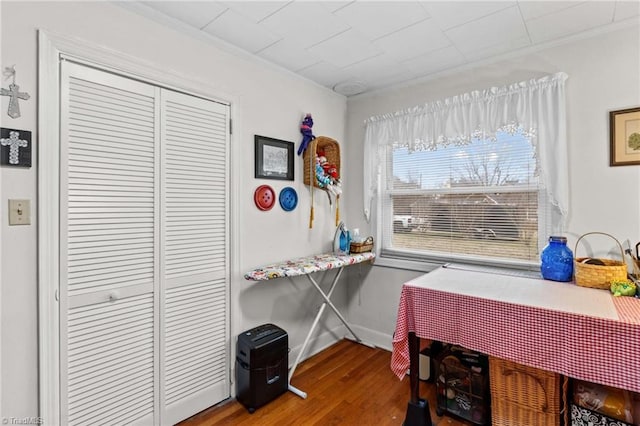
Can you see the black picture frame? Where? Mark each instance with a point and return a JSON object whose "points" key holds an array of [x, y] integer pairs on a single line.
{"points": [[273, 158]]}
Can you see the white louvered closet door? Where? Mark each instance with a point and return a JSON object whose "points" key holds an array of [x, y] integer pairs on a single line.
{"points": [[108, 248], [194, 256], [143, 266]]}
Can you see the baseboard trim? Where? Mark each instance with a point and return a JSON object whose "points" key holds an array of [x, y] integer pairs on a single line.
{"points": [[323, 341]]}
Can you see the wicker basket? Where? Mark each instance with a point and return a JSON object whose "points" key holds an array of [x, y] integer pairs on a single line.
{"points": [[522, 395], [363, 247], [331, 152], [599, 276], [505, 413]]}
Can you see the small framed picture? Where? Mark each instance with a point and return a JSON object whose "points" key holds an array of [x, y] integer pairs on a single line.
{"points": [[624, 127], [15, 147], [273, 158]]}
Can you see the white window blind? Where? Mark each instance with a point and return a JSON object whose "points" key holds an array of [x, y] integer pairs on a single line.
{"points": [[465, 201], [480, 177]]}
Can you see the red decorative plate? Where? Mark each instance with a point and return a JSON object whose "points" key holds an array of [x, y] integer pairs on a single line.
{"points": [[264, 197]]}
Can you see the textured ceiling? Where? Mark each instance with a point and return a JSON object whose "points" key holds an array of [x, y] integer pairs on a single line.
{"points": [[359, 46]]}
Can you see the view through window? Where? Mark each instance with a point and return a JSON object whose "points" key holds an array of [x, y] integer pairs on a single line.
{"points": [[477, 198]]}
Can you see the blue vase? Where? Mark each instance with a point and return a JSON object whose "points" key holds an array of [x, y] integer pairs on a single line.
{"points": [[557, 260]]}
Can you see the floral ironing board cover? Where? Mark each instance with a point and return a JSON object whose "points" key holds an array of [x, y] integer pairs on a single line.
{"points": [[306, 265]]}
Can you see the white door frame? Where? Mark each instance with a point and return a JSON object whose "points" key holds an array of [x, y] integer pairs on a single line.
{"points": [[51, 47]]}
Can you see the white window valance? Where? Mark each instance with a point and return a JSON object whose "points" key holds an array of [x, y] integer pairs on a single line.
{"points": [[535, 107]]}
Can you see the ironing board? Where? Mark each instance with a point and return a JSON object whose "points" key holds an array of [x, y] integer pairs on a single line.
{"points": [[307, 266]]}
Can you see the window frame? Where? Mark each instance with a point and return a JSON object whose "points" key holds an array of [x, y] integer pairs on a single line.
{"points": [[536, 107], [427, 261]]}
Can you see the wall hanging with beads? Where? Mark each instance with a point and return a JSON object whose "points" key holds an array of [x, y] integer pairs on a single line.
{"points": [[322, 170]]}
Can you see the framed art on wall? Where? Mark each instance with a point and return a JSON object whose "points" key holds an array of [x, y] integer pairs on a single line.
{"points": [[15, 147], [624, 128], [273, 158]]}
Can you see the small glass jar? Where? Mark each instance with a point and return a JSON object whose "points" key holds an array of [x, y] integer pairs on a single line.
{"points": [[557, 260]]}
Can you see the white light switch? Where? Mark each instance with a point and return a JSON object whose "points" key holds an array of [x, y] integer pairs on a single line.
{"points": [[19, 212]]}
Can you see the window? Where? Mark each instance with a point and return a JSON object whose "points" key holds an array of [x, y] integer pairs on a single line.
{"points": [[451, 182], [471, 200]]}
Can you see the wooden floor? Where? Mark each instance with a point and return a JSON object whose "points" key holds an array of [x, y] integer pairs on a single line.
{"points": [[347, 384]]}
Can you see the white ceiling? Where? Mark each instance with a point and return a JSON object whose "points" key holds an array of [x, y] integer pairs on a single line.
{"points": [[358, 46]]}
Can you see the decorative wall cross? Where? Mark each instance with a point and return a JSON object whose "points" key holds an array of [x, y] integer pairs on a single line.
{"points": [[13, 92], [11, 142], [15, 143]]}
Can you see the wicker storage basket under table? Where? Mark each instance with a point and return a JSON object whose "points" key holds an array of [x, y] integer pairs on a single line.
{"points": [[599, 276], [522, 395], [331, 152]]}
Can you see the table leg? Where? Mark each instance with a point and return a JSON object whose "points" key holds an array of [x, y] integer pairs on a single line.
{"points": [[414, 366], [417, 409]]}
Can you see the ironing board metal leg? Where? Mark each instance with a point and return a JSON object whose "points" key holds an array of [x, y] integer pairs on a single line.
{"points": [[301, 394], [306, 341], [331, 305], [309, 333], [326, 302]]}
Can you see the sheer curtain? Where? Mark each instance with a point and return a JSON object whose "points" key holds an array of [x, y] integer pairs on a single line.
{"points": [[535, 107]]}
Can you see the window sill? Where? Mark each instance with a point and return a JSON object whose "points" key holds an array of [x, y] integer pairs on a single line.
{"points": [[398, 260], [409, 265]]}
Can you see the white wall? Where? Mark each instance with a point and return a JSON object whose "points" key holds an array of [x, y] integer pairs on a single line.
{"points": [[265, 101], [604, 75]]}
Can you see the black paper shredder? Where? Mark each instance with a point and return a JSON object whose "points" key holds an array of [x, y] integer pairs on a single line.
{"points": [[262, 364]]}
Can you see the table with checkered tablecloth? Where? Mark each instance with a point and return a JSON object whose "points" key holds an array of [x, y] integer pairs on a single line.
{"points": [[579, 332]]}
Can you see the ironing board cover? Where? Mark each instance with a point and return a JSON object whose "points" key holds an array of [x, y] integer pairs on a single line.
{"points": [[306, 265]]}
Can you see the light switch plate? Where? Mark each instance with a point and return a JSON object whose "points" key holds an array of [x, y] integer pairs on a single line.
{"points": [[19, 212]]}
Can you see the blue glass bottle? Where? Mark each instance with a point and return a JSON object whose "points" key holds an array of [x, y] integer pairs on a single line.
{"points": [[557, 260]]}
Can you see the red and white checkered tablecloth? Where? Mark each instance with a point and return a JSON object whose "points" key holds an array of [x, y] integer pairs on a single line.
{"points": [[579, 332], [628, 309]]}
